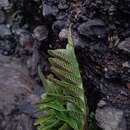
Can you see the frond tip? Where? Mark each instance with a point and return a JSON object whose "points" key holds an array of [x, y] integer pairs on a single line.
{"points": [[64, 101]]}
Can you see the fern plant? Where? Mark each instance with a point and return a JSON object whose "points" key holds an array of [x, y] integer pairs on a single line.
{"points": [[63, 104]]}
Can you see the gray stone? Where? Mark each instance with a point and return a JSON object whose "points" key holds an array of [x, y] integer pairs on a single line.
{"points": [[4, 3], [26, 40], [14, 83], [49, 10], [2, 17], [78, 41], [19, 122], [58, 25], [125, 45], [126, 64], [17, 30], [16, 91], [95, 27], [63, 4], [41, 32], [35, 60], [4, 31], [29, 106], [7, 46], [63, 34], [102, 103], [109, 118]]}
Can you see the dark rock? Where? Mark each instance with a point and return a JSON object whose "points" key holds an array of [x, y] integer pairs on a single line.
{"points": [[118, 97], [7, 46], [125, 45], [61, 16], [63, 4], [58, 25], [4, 3], [49, 10], [94, 27], [2, 17], [112, 10], [41, 32], [16, 30], [38, 90], [26, 40], [78, 41], [4, 31], [34, 61]]}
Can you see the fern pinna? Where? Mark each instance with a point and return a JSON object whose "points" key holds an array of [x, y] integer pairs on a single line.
{"points": [[63, 102]]}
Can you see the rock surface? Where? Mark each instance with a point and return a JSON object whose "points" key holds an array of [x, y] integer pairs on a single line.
{"points": [[15, 87], [111, 119], [41, 32], [4, 3], [94, 27], [101, 31], [125, 45], [2, 17], [4, 31]]}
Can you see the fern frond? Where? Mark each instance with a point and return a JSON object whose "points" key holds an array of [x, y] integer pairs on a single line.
{"points": [[68, 87], [64, 99]]}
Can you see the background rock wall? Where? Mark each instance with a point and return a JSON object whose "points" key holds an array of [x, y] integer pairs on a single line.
{"points": [[101, 33]]}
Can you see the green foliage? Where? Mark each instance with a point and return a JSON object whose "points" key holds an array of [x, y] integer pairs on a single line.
{"points": [[64, 101]]}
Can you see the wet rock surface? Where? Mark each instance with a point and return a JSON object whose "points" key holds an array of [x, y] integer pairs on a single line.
{"points": [[101, 37]]}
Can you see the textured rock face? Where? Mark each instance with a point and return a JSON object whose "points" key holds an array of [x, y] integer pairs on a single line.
{"points": [[4, 31], [19, 122], [101, 31], [4, 3], [15, 86], [125, 45], [92, 28], [2, 17], [111, 119], [41, 32]]}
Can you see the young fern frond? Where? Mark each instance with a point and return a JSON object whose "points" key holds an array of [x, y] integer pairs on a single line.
{"points": [[64, 100]]}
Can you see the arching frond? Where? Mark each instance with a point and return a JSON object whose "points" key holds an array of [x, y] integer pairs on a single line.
{"points": [[64, 100]]}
